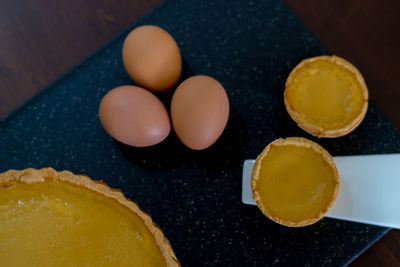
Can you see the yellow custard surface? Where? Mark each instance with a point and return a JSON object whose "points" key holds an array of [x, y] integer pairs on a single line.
{"points": [[326, 94], [55, 223], [295, 185]]}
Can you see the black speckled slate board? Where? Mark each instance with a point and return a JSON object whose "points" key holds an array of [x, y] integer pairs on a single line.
{"points": [[195, 196]]}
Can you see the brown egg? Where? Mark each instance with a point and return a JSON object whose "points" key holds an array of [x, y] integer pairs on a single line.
{"points": [[199, 111], [134, 116], [152, 58]]}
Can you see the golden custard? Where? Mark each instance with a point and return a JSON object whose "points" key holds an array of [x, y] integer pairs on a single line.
{"points": [[326, 96], [294, 181], [50, 218]]}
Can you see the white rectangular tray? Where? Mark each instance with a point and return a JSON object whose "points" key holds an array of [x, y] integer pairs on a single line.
{"points": [[369, 189]]}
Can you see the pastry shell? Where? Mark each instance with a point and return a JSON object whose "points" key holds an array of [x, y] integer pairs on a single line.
{"points": [[300, 142], [34, 176], [317, 130]]}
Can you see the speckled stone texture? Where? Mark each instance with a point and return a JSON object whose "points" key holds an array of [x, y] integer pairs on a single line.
{"points": [[195, 196]]}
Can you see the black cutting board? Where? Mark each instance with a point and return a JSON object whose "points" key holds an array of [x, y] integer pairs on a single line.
{"points": [[195, 196]]}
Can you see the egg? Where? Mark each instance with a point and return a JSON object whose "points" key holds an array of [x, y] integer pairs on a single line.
{"points": [[134, 116], [199, 111], [152, 58]]}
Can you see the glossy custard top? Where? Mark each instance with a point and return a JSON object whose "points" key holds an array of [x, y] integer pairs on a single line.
{"points": [[325, 93], [294, 181], [55, 223]]}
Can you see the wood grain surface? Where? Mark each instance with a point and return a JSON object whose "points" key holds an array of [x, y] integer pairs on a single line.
{"points": [[42, 39]]}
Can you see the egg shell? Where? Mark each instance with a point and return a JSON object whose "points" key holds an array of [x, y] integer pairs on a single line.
{"points": [[134, 116], [199, 111], [152, 58]]}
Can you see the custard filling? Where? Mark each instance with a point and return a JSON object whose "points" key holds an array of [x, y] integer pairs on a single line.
{"points": [[295, 183], [325, 94], [59, 224]]}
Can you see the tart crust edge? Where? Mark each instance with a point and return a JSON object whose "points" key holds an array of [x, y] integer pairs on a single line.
{"points": [[32, 176], [302, 142]]}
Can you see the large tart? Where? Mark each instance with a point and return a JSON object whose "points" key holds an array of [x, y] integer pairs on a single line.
{"points": [[294, 181], [50, 218], [326, 96]]}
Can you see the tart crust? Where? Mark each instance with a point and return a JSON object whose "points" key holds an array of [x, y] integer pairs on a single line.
{"points": [[33, 176], [300, 142], [317, 130]]}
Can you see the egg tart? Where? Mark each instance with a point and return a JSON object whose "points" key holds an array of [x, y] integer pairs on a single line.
{"points": [[294, 181], [326, 96], [50, 218]]}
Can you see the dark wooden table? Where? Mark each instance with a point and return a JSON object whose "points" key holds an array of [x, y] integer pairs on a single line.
{"points": [[40, 40]]}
